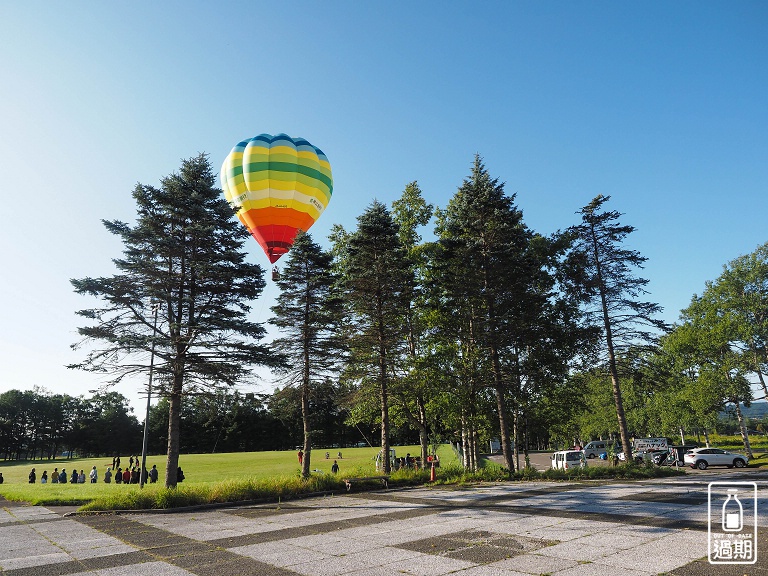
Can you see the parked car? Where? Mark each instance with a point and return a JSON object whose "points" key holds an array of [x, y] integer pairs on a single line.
{"points": [[596, 448], [567, 459], [702, 458]]}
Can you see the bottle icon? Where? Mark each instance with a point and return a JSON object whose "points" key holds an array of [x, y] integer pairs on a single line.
{"points": [[733, 513]]}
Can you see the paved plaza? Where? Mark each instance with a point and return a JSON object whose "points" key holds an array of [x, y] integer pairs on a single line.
{"points": [[516, 529]]}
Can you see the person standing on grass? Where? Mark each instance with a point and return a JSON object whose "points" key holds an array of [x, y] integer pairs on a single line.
{"points": [[335, 467], [73, 478], [44, 477], [119, 476], [93, 475], [126, 476], [1, 478], [153, 474], [108, 475], [32, 476], [55, 476], [81, 477], [63, 476], [301, 457]]}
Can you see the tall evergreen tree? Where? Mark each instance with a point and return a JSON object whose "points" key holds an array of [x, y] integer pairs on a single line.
{"points": [[486, 272], [376, 276], [614, 291], [308, 313], [186, 253], [410, 212]]}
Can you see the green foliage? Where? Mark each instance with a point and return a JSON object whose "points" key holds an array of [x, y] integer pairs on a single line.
{"points": [[185, 251], [185, 255], [309, 315], [622, 472], [376, 280], [613, 293], [38, 424]]}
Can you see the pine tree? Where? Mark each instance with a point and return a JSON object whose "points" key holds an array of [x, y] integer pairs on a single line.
{"points": [[614, 291], [376, 274], [308, 313], [185, 253], [486, 274], [410, 212]]}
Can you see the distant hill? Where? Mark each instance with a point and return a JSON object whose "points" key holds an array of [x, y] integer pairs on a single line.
{"points": [[756, 410]]}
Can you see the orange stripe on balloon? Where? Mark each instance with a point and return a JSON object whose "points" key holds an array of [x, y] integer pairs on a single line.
{"points": [[278, 216]]}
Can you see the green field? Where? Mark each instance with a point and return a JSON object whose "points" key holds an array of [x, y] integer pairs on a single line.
{"points": [[198, 469]]}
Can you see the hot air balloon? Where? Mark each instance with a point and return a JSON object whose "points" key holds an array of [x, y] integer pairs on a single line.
{"points": [[278, 185]]}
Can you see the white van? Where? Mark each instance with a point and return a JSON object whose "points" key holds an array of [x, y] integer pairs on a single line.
{"points": [[596, 447], [567, 459]]}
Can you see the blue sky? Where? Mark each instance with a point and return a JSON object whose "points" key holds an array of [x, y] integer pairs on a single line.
{"points": [[662, 106]]}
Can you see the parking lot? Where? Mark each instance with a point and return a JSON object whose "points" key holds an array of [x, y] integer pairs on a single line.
{"points": [[541, 461]]}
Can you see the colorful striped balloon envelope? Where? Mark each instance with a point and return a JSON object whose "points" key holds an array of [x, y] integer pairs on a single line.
{"points": [[278, 185]]}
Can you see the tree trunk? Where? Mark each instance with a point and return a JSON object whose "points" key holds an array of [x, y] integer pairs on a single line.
{"points": [[506, 445], [387, 467], [762, 382], [174, 431], [423, 436], [471, 450], [305, 464], [743, 430], [464, 439], [516, 436], [682, 436], [706, 438], [620, 416]]}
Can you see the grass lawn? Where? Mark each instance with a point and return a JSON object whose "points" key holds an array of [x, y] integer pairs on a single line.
{"points": [[198, 469]]}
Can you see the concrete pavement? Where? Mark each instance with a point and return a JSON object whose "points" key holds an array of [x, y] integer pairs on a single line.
{"points": [[517, 529]]}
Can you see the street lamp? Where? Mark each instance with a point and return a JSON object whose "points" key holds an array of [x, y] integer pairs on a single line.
{"points": [[142, 470]]}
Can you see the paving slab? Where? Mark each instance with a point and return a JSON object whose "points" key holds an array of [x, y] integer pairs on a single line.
{"points": [[562, 529]]}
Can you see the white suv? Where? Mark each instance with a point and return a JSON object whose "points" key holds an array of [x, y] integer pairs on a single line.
{"points": [[701, 458]]}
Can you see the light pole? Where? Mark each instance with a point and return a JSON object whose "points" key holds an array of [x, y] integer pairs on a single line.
{"points": [[155, 308]]}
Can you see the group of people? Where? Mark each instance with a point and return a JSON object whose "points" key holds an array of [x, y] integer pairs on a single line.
{"points": [[62, 477], [131, 474]]}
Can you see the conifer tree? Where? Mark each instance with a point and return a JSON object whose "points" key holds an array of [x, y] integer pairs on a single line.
{"points": [[486, 273], [186, 254], [613, 292], [308, 313], [376, 274], [410, 212]]}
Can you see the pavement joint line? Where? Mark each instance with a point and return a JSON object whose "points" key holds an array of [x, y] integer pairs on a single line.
{"points": [[314, 529], [183, 552], [494, 504]]}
